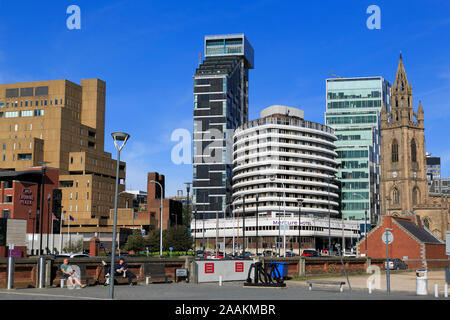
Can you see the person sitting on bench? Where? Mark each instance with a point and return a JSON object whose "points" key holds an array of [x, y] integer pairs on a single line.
{"points": [[122, 269], [70, 275]]}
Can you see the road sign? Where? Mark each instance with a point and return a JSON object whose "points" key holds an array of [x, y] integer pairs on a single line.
{"points": [[170, 248], [390, 237]]}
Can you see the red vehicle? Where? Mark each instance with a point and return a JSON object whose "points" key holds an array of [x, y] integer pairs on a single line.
{"points": [[310, 253]]}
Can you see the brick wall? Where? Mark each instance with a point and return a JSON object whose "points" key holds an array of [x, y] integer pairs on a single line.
{"points": [[403, 244], [26, 269]]}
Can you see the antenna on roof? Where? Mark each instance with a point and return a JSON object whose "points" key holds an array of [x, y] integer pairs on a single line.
{"points": [[334, 75]]}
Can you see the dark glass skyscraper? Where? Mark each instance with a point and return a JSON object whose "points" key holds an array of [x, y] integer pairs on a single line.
{"points": [[220, 106]]}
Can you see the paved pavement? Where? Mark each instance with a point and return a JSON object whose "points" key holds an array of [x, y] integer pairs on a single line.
{"points": [[400, 281], [401, 289]]}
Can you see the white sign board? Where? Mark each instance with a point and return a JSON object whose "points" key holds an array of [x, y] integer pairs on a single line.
{"points": [[447, 243], [230, 270], [390, 237]]}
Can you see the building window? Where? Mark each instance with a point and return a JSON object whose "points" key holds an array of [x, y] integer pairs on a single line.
{"points": [[415, 196], [394, 151], [6, 213], [396, 196], [413, 151]]}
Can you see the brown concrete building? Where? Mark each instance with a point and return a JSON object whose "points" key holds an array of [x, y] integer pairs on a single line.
{"points": [[172, 209], [63, 124], [403, 185]]}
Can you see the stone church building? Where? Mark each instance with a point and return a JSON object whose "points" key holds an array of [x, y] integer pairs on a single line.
{"points": [[403, 185]]}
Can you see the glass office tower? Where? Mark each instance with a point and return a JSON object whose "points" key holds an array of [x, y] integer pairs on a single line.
{"points": [[353, 111], [220, 106]]}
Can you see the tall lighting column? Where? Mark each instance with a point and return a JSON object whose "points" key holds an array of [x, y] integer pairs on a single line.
{"points": [[117, 137], [273, 178], [188, 188], [365, 221], [300, 202], [257, 238]]}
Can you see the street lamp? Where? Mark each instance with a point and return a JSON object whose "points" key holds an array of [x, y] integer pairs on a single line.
{"points": [[41, 210], [329, 216], [257, 214], [123, 138], [48, 220], [273, 178], [160, 217], [188, 188], [243, 220], [300, 202], [365, 221]]}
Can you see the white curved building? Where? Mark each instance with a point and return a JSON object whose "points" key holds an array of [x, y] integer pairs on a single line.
{"points": [[277, 160], [281, 158]]}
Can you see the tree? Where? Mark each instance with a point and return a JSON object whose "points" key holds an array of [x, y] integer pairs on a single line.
{"points": [[74, 246], [177, 237], [152, 241], [135, 241], [187, 215]]}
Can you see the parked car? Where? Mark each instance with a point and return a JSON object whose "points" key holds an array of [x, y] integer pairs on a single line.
{"points": [[291, 254], [310, 253], [396, 264], [349, 254], [72, 255]]}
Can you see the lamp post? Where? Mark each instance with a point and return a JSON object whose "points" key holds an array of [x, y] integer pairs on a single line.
{"points": [[60, 230], [300, 202], [329, 217], [117, 137], [48, 220], [32, 241], [41, 209], [243, 222], [160, 217], [273, 178], [195, 228], [233, 208], [365, 221], [257, 214], [188, 188]]}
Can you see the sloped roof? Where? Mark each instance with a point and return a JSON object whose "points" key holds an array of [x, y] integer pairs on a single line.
{"points": [[420, 233]]}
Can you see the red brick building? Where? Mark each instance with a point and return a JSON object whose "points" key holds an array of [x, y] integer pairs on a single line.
{"points": [[414, 243], [172, 212], [20, 197]]}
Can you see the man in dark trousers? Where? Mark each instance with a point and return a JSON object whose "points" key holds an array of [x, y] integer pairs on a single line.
{"points": [[122, 270]]}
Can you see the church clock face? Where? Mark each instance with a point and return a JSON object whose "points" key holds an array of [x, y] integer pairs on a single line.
{"points": [[394, 174]]}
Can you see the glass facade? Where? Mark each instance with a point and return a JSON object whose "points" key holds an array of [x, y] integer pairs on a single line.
{"points": [[353, 111]]}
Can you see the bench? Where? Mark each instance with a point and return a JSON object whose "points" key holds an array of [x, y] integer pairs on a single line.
{"points": [[84, 278], [155, 271], [323, 282], [118, 277]]}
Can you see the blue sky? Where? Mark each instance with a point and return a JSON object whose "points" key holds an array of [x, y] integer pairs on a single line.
{"points": [[147, 52]]}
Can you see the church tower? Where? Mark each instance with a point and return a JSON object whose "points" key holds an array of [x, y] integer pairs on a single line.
{"points": [[403, 182]]}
